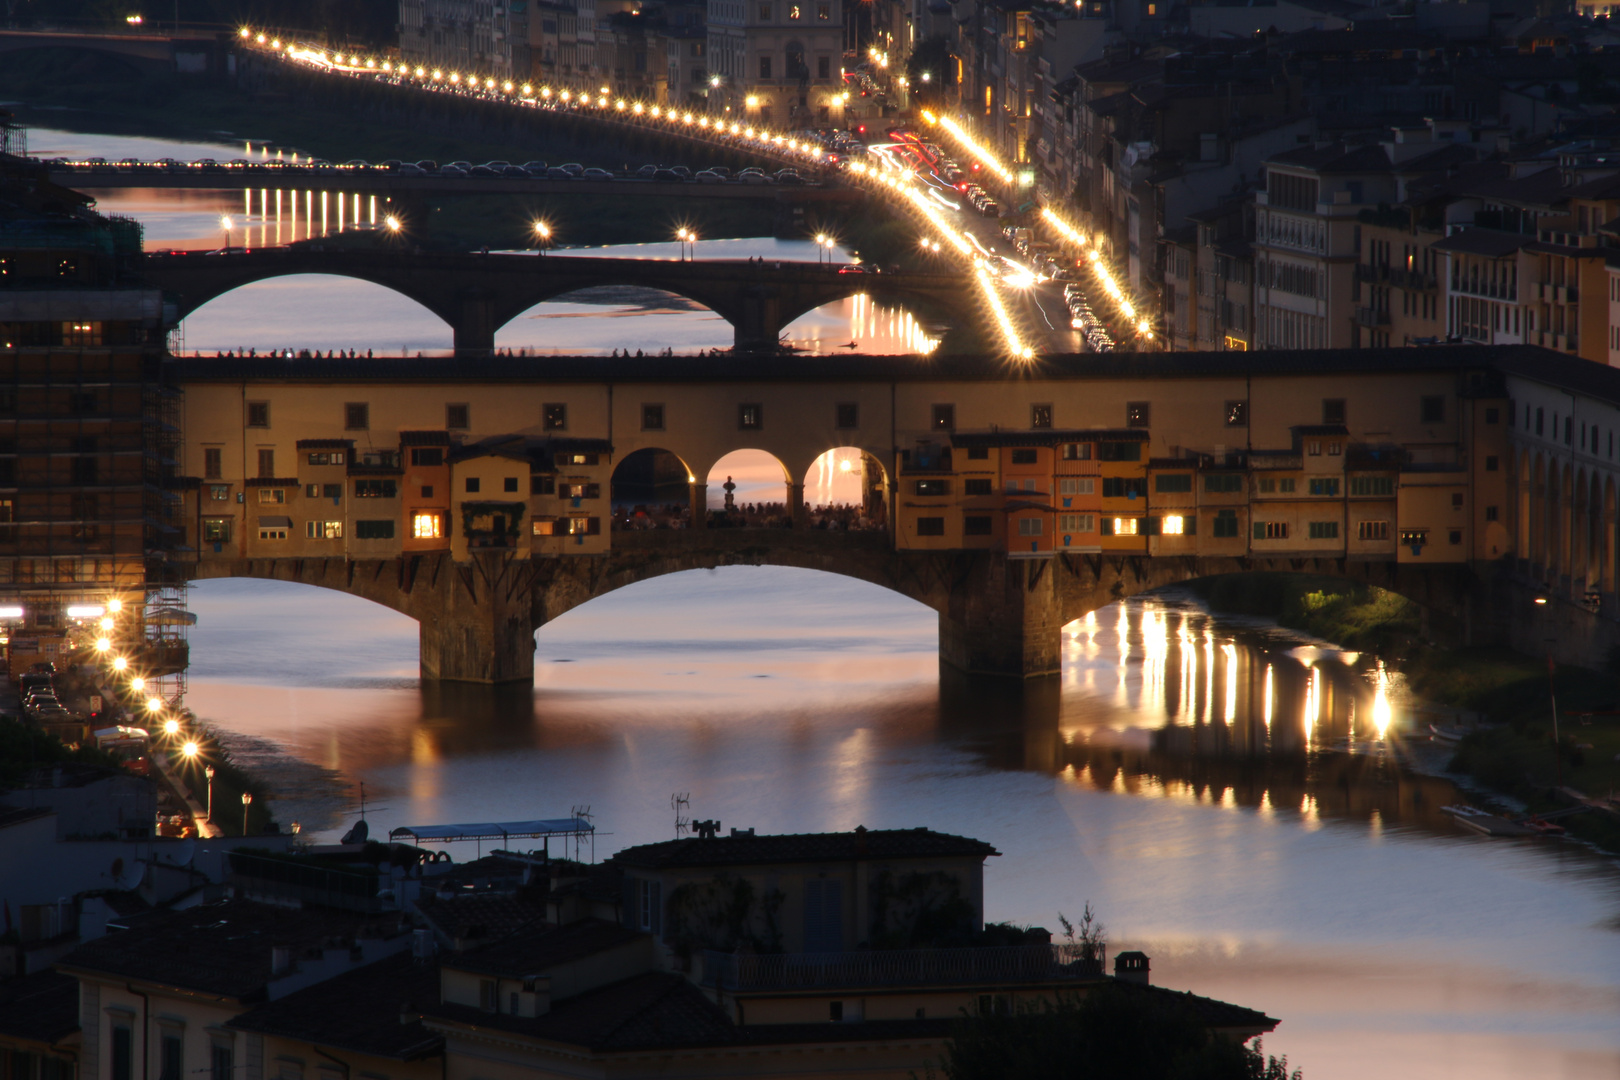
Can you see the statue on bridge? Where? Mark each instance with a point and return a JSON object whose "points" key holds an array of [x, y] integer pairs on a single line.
{"points": [[731, 500]]}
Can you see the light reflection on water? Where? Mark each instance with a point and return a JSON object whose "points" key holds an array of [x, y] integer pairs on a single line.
{"points": [[1164, 777]]}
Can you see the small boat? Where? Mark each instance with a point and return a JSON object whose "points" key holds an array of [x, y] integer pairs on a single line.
{"points": [[1449, 736], [1542, 825], [1485, 822]]}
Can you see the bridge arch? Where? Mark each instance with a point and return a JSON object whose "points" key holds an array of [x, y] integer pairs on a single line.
{"points": [[262, 313], [687, 325], [845, 286]]}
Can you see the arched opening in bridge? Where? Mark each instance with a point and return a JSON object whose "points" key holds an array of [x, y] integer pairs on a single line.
{"points": [[598, 320], [652, 489], [760, 485], [860, 324], [316, 312], [848, 487]]}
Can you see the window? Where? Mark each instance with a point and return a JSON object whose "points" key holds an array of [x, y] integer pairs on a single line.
{"points": [[258, 414], [1178, 525], [542, 485], [976, 525], [554, 417], [750, 417], [1324, 530], [1372, 485], [1124, 487], [335, 492], [272, 495], [1226, 525], [509, 484], [426, 525], [1077, 485], [323, 530], [1040, 416], [944, 418], [1031, 526], [312, 491], [222, 1063], [1454, 537], [1077, 523], [824, 12], [216, 530], [427, 456], [764, 13], [1333, 410], [1173, 483], [1237, 414], [846, 414], [272, 532], [1223, 483], [267, 464], [1271, 530], [375, 489], [546, 527], [356, 416], [1415, 538], [933, 487], [978, 453], [930, 526], [823, 63], [1431, 409], [1491, 513], [764, 67], [213, 463], [169, 1057], [1314, 448], [652, 417], [458, 416], [374, 530], [1138, 414], [1541, 416], [219, 492], [584, 526], [473, 484], [1120, 526], [976, 486], [1076, 451], [488, 996], [1335, 448], [1023, 457], [1119, 451], [1493, 416], [1324, 487], [1491, 463], [1372, 530], [326, 457]]}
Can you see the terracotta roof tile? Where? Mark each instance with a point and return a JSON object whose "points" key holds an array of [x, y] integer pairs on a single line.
{"points": [[357, 1011]]}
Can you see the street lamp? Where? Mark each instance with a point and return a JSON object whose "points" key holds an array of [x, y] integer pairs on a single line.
{"points": [[247, 801], [189, 750], [821, 243], [542, 235], [392, 223], [171, 728], [137, 684], [208, 771]]}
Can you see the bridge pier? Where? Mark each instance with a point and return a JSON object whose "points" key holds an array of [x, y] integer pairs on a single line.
{"points": [[474, 331], [1003, 617], [759, 320], [795, 506], [700, 505], [481, 630]]}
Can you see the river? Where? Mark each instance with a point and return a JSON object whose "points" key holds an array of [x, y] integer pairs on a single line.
{"points": [[1250, 809]]}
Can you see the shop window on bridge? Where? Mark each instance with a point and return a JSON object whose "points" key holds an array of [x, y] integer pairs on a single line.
{"points": [[1491, 514], [944, 418], [381, 489], [847, 415], [258, 414], [1271, 530], [978, 453], [1138, 414], [272, 532], [509, 484], [930, 526], [374, 530], [327, 457], [1023, 457], [1015, 486], [1119, 451], [1077, 523], [584, 526], [1179, 525], [457, 416], [1432, 409], [213, 462], [1173, 483], [750, 417], [1324, 487], [975, 525], [272, 495], [652, 418], [1276, 485], [267, 463], [1372, 485], [547, 527], [219, 492], [542, 485], [323, 530], [474, 484], [1324, 530], [81, 333], [977, 486], [1225, 525], [1124, 487], [1077, 451], [426, 525], [933, 487], [554, 416], [1121, 526], [1077, 485], [356, 416], [1237, 414], [1031, 526], [583, 459], [425, 456], [580, 491], [1372, 530], [1040, 416], [1333, 411]]}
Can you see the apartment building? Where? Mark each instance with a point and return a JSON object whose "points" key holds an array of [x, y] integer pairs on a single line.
{"points": [[462, 35], [779, 61]]}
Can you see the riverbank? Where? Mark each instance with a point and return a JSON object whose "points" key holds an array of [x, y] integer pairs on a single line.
{"points": [[1514, 755]]}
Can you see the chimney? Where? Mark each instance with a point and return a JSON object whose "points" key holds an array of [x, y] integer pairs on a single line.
{"points": [[1131, 967]]}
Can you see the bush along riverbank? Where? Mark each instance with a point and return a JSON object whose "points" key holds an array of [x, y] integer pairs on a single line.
{"points": [[1515, 754]]}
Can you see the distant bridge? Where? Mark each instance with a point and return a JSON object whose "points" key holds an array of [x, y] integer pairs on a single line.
{"points": [[478, 294], [188, 52]]}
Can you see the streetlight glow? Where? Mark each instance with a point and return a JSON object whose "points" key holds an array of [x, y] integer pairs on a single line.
{"points": [[137, 684], [115, 605], [120, 663], [190, 749], [103, 644], [106, 623], [171, 727], [154, 704]]}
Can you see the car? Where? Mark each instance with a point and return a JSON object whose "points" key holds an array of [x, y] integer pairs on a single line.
{"points": [[357, 163], [428, 166], [667, 176], [408, 169], [596, 174], [646, 172], [748, 177], [788, 176], [853, 268], [724, 172], [709, 176], [35, 697], [534, 167], [464, 166], [319, 163], [573, 168], [990, 209], [557, 172], [497, 165], [392, 163], [482, 170], [515, 170], [452, 170], [681, 171]]}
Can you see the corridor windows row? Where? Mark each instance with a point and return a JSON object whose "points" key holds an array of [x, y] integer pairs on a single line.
{"points": [[357, 416]]}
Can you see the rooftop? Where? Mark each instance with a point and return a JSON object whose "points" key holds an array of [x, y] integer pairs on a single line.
{"points": [[528, 954], [803, 847], [43, 1007], [358, 1011]]}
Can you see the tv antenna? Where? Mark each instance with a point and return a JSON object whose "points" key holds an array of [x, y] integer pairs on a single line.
{"points": [[583, 813], [678, 802]]}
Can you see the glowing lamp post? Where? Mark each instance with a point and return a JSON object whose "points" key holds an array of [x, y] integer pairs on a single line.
{"points": [[247, 801], [542, 236], [226, 223], [208, 771]]}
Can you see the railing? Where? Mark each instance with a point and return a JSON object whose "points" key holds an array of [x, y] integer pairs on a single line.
{"points": [[901, 967]]}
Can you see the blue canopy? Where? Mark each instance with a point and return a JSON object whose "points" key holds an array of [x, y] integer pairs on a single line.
{"points": [[495, 830]]}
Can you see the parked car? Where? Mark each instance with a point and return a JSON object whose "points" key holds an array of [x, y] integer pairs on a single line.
{"points": [[452, 170], [646, 172], [681, 171], [534, 168], [557, 172], [597, 174], [408, 169], [667, 176], [428, 166], [481, 170], [515, 170], [573, 168], [709, 176]]}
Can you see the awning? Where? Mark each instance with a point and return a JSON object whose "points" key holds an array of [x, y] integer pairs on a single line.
{"points": [[495, 830], [168, 616], [272, 522]]}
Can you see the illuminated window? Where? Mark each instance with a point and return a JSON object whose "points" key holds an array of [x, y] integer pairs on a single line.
{"points": [[584, 526], [1175, 525], [1120, 526], [794, 11], [1271, 530], [272, 495], [323, 530], [219, 492], [425, 526], [217, 530], [81, 333]]}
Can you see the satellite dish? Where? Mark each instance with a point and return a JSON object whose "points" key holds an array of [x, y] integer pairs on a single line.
{"points": [[183, 852], [128, 876], [358, 834]]}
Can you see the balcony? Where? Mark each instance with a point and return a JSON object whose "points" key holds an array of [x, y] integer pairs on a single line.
{"points": [[901, 967], [1557, 294], [1370, 316], [1413, 279]]}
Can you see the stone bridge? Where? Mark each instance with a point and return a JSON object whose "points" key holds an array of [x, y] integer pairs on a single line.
{"points": [[197, 53], [478, 294], [997, 615]]}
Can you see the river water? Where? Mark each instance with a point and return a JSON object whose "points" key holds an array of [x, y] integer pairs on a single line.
{"points": [[1248, 808]]}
